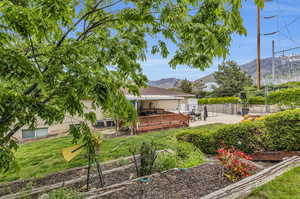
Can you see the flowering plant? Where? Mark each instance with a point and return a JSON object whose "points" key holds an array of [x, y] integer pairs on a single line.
{"points": [[233, 160]]}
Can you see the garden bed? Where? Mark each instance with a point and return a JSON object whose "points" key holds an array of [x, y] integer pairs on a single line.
{"points": [[175, 183], [115, 171], [59, 177]]}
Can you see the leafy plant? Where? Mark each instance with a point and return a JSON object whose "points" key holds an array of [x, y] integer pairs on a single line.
{"points": [[165, 161], [148, 154], [233, 160], [64, 193]]}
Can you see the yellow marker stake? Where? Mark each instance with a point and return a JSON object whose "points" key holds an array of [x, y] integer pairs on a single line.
{"points": [[71, 152]]}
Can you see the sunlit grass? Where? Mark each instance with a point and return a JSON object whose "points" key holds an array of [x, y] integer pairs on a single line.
{"points": [[286, 186], [44, 156]]}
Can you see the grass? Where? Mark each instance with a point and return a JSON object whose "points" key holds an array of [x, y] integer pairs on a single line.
{"points": [[286, 186], [42, 157]]}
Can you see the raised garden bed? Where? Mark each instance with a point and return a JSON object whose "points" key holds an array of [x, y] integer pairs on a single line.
{"points": [[115, 171], [175, 183], [205, 181]]}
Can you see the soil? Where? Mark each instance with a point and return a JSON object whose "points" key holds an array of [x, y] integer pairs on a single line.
{"points": [[50, 179], [191, 183]]}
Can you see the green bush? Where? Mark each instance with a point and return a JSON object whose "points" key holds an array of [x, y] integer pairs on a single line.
{"points": [[290, 97], [219, 100], [256, 100], [283, 131], [276, 132], [288, 85], [243, 136], [202, 140], [165, 161]]}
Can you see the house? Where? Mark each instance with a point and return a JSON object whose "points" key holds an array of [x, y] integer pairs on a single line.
{"points": [[157, 108]]}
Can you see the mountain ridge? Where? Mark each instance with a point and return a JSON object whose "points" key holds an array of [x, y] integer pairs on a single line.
{"points": [[285, 67]]}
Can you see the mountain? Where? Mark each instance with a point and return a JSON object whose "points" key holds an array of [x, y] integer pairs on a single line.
{"points": [[164, 83], [286, 69]]}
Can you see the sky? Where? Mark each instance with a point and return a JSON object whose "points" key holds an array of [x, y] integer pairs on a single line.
{"points": [[243, 48]]}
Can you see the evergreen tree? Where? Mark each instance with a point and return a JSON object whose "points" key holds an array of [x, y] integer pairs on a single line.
{"points": [[231, 79]]}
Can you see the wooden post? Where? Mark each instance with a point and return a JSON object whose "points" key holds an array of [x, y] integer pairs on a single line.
{"points": [[88, 174]]}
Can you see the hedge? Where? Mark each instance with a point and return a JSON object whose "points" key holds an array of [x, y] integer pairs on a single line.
{"points": [[293, 84], [289, 96], [241, 135], [232, 100], [257, 100], [219, 100], [276, 132], [283, 131]]}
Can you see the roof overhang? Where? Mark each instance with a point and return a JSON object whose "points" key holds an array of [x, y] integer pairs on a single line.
{"points": [[153, 97]]}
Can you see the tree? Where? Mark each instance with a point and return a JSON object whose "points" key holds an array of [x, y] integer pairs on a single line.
{"points": [[185, 86], [198, 88], [231, 79], [56, 53]]}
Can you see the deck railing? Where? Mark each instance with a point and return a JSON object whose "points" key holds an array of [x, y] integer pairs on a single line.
{"points": [[161, 121]]}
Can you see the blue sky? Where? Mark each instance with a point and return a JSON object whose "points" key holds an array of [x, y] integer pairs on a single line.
{"points": [[243, 48]]}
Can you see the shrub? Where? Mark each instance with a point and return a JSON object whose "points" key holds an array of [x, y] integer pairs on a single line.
{"points": [[219, 100], [293, 84], [275, 132], [233, 160], [243, 136], [148, 155], [256, 100], [283, 131], [165, 161], [290, 97], [202, 140]]}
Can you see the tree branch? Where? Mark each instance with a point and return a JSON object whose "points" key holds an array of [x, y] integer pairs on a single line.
{"points": [[78, 22], [33, 53]]}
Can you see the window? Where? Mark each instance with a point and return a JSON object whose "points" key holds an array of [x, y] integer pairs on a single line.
{"points": [[32, 133], [110, 123], [99, 124]]}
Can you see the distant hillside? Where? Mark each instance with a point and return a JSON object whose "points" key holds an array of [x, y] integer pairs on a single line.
{"points": [[285, 71], [164, 83]]}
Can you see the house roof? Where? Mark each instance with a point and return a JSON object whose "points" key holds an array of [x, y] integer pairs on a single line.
{"points": [[153, 97], [155, 91]]}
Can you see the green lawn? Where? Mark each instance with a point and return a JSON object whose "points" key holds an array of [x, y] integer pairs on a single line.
{"points": [[41, 157], [286, 186]]}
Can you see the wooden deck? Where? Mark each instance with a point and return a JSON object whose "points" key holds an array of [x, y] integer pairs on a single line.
{"points": [[161, 121]]}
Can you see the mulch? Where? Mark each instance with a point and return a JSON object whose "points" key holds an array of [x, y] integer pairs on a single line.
{"points": [[176, 183]]}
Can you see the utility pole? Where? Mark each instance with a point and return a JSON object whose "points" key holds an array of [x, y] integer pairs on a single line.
{"points": [[273, 61], [258, 64]]}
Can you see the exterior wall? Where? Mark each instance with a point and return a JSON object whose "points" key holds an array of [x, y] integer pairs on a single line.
{"points": [[168, 105], [65, 125]]}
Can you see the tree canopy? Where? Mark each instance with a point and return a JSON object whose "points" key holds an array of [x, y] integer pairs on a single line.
{"points": [[231, 79], [55, 53]]}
